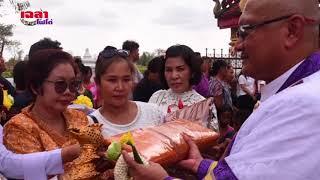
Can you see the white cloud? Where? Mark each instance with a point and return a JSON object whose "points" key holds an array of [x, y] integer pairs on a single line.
{"points": [[152, 23]]}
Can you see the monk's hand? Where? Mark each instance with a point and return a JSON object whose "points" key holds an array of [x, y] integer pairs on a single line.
{"points": [[69, 153], [194, 157], [153, 171]]}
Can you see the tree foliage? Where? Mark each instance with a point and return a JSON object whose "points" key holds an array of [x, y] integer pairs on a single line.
{"points": [[145, 58], [6, 31], [14, 48], [160, 52]]}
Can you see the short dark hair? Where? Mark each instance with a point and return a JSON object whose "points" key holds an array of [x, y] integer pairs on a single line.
{"points": [[19, 75], [130, 45], [223, 109], [42, 63], [190, 58], [217, 65], [87, 70], [78, 61], [240, 116], [79, 64], [198, 54], [156, 64], [45, 43], [102, 64]]}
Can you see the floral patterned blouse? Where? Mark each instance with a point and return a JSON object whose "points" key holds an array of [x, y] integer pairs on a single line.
{"points": [[168, 101], [26, 133]]}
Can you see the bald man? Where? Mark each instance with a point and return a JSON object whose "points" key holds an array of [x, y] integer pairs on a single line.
{"points": [[279, 43]]}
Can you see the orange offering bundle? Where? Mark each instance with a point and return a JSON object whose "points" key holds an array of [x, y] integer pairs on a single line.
{"points": [[165, 145]]}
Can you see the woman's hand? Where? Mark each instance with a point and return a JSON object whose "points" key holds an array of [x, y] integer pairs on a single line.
{"points": [[102, 164], [153, 171], [70, 153], [194, 158]]}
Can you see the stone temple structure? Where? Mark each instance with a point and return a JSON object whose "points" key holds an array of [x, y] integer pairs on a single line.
{"points": [[88, 59]]}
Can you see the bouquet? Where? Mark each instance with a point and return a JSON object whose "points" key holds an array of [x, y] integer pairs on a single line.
{"points": [[83, 100]]}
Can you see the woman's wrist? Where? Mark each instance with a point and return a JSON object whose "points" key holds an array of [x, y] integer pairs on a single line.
{"points": [[70, 153]]}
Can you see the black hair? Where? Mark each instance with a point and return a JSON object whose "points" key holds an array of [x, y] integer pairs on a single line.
{"points": [[217, 66], [78, 61], [198, 54], [223, 109], [188, 55], [79, 64], [45, 43], [87, 70], [42, 63], [84, 70], [240, 116], [19, 75], [155, 64], [130, 45]]}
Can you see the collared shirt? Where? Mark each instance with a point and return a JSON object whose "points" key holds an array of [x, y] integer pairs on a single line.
{"points": [[272, 87], [248, 82], [34, 166]]}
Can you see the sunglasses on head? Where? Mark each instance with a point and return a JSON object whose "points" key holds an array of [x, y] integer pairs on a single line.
{"points": [[113, 52], [60, 86]]}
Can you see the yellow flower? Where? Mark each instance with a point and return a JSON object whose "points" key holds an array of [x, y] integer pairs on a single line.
{"points": [[7, 100], [83, 100], [127, 138]]}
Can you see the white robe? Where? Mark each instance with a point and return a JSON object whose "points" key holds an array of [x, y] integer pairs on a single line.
{"points": [[280, 140], [34, 166]]}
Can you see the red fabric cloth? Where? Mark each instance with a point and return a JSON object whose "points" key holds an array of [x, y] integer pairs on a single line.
{"points": [[165, 145]]}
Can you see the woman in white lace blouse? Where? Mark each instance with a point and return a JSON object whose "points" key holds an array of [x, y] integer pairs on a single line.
{"points": [[181, 70]]}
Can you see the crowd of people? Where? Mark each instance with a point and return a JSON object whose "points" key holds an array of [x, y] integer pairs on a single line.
{"points": [[258, 140], [123, 99]]}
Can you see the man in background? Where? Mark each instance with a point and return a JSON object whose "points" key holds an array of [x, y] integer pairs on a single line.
{"points": [[133, 49]]}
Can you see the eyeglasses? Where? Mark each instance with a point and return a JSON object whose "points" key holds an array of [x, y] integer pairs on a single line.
{"points": [[246, 29], [113, 52], [61, 86]]}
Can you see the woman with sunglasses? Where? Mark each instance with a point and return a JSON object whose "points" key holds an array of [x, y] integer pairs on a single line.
{"points": [[114, 77], [43, 125]]}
